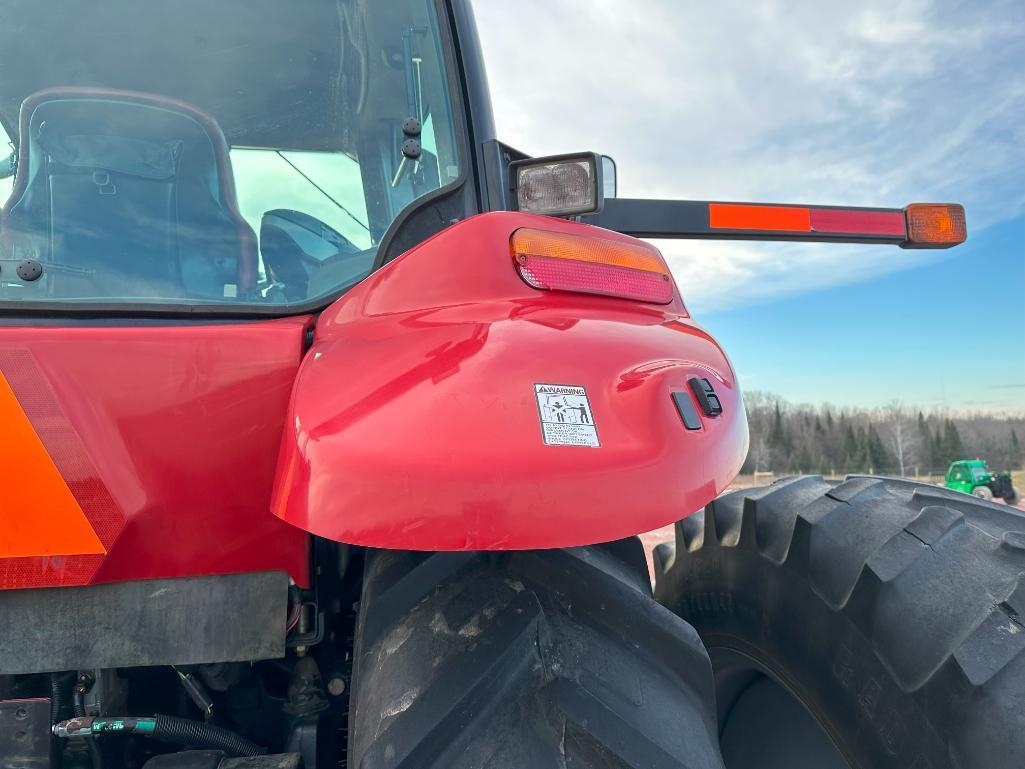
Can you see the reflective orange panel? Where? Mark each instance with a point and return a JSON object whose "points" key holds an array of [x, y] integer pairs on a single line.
{"points": [[39, 516], [732, 216]]}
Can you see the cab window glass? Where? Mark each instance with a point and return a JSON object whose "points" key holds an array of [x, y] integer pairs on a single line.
{"points": [[6, 164], [236, 152]]}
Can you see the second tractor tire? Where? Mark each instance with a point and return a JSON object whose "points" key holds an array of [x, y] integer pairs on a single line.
{"points": [[536, 659], [873, 622]]}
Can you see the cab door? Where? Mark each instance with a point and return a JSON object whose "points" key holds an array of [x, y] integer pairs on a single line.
{"points": [[957, 479]]}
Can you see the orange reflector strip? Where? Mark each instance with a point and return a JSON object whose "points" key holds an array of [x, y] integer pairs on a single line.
{"points": [[732, 216], [39, 516], [938, 224], [559, 245]]}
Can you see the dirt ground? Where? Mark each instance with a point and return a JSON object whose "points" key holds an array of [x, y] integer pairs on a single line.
{"points": [[666, 533]]}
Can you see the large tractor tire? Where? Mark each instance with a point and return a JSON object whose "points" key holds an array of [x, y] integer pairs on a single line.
{"points": [[873, 622], [534, 659]]}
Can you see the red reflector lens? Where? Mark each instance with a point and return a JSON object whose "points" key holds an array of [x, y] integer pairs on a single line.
{"points": [[589, 278], [936, 224], [556, 261], [850, 222]]}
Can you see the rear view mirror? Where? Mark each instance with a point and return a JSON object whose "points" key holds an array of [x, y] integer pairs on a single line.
{"points": [[559, 185], [608, 176]]}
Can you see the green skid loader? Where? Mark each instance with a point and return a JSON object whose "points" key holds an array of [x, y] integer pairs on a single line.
{"points": [[973, 476]]}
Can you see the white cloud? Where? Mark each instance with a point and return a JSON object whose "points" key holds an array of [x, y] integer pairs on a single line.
{"points": [[869, 103]]}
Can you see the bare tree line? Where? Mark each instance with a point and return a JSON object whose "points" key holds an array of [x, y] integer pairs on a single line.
{"points": [[898, 439]]}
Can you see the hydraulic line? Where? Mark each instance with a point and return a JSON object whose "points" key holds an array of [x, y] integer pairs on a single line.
{"points": [[176, 731], [60, 689], [78, 707]]}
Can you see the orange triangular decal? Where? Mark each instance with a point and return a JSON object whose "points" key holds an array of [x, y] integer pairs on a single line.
{"points": [[39, 516]]}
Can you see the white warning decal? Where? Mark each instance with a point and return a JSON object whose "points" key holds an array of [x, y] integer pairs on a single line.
{"points": [[566, 417]]}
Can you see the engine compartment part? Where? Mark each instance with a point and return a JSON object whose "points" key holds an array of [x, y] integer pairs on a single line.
{"points": [[176, 731], [282, 711], [25, 734]]}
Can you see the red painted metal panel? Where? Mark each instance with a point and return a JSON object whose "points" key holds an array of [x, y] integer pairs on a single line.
{"points": [[167, 437], [414, 422]]}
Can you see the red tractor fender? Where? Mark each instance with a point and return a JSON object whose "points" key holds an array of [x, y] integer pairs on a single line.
{"points": [[415, 419]]}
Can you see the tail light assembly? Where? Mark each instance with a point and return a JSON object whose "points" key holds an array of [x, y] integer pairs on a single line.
{"points": [[587, 264]]}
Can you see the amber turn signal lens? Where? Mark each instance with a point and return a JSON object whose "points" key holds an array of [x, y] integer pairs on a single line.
{"points": [[935, 224], [559, 261]]}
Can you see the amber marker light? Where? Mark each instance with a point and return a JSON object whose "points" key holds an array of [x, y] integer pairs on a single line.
{"points": [[935, 225]]}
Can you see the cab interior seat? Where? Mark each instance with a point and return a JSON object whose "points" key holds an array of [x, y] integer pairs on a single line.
{"points": [[127, 195]]}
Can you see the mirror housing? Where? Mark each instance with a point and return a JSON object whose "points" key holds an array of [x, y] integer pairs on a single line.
{"points": [[608, 176]]}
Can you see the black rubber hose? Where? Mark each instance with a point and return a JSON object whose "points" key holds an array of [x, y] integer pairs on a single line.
{"points": [[60, 685], [78, 708], [182, 731]]}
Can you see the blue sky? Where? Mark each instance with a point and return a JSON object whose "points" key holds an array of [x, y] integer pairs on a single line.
{"points": [[881, 102]]}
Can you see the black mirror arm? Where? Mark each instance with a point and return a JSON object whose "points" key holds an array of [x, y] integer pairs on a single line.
{"points": [[693, 219]]}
